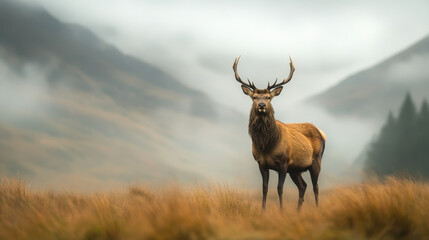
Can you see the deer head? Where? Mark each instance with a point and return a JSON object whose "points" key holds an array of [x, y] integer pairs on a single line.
{"points": [[262, 97]]}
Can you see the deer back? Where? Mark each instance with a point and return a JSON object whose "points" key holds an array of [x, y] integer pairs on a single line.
{"points": [[298, 146]]}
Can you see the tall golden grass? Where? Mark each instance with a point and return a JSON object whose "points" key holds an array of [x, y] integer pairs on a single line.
{"points": [[393, 209]]}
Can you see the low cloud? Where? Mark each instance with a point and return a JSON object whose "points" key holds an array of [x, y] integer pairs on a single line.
{"points": [[22, 91], [197, 42], [410, 70]]}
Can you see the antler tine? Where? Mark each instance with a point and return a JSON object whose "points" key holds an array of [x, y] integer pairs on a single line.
{"points": [[251, 83], [268, 87], [286, 80], [237, 77]]}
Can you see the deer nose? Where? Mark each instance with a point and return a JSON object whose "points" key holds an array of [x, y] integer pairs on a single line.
{"points": [[261, 105]]}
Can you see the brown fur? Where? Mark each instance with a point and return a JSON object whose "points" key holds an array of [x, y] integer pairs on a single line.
{"points": [[263, 131], [286, 148], [276, 145]]}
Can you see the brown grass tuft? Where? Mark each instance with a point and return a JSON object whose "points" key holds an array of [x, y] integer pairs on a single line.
{"points": [[393, 209]]}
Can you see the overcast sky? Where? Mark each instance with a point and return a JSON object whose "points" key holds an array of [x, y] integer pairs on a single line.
{"points": [[197, 41]]}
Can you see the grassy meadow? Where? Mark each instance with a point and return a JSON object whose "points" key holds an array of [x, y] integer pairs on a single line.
{"points": [[392, 209]]}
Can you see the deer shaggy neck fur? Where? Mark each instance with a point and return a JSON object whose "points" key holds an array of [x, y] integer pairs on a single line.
{"points": [[263, 130]]}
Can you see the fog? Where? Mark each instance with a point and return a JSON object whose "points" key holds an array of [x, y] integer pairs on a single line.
{"points": [[22, 92], [196, 43], [414, 69]]}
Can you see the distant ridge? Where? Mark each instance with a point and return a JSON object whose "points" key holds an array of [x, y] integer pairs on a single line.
{"points": [[30, 34], [102, 118], [371, 93]]}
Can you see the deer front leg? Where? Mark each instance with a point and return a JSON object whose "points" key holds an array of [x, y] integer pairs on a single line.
{"points": [[265, 177]]}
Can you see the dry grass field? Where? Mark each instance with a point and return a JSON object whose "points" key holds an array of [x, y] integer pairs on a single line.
{"points": [[393, 209]]}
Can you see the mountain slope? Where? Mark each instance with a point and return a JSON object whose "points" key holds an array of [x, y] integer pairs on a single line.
{"points": [[373, 92], [32, 34], [79, 111]]}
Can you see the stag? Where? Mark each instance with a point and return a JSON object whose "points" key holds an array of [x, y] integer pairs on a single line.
{"points": [[286, 148]]}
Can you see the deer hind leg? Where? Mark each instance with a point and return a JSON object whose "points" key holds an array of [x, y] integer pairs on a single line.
{"points": [[282, 177], [300, 183], [265, 178], [314, 173]]}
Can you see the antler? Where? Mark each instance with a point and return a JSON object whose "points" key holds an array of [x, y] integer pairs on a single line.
{"points": [[237, 77], [286, 80]]}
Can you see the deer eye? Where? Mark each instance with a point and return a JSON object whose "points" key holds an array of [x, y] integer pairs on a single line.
{"points": [[269, 97], [254, 97]]}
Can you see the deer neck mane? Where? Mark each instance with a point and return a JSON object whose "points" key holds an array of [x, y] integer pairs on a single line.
{"points": [[263, 130]]}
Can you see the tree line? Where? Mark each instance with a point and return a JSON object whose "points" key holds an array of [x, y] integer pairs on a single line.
{"points": [[402, 147]]}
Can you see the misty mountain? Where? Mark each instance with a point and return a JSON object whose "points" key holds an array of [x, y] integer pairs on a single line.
{"points": [[78, 110], [371, 93], [32, 34]]}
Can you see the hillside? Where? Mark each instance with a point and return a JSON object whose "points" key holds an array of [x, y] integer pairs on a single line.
{"points": [[394, 209], [371, 93], [32, 35], [78, 110]]}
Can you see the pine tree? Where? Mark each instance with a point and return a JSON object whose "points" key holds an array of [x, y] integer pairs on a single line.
{"points": [[407, 112], [403, 142], [424, 112], [421, 138], [406, 134], [388, 130], [379, 155]]}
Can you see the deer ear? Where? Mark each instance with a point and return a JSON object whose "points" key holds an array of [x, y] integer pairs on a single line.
{"points": [[276, 92], [247, 90]]}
